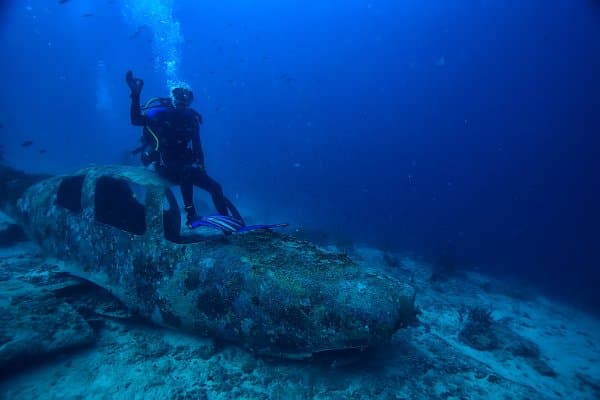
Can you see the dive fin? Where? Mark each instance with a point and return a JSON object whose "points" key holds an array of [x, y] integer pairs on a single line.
{"points": [[262, 226], [223, 223], [228, 224]]}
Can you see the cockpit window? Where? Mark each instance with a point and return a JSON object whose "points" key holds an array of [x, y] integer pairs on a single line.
{"points": [[120, 203], [69, 193]]}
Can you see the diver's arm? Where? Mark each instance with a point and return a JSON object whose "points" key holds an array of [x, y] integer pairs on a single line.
{"points": [[135, 86], [135, 112]]}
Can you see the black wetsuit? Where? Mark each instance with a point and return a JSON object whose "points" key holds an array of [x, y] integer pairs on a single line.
{"points": [[171, 139]]}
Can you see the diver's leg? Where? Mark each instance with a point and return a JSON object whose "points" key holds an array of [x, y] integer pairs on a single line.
{"points": [[203, 181], [187, 193], [233, 210]]}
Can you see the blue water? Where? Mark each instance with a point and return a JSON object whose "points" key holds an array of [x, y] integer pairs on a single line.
{"points": [[433, 127]]}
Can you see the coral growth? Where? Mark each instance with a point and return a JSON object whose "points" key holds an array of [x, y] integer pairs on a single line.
{"points": [[478, 332], [444, 268]]}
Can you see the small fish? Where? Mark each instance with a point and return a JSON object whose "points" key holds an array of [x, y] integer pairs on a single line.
{"points": [[43, 151], [63, 1], [137, 32], [287, 78], [87, 15], [27, 143]]}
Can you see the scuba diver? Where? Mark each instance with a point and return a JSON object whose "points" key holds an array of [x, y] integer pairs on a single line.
{"points": [[171, 142]]}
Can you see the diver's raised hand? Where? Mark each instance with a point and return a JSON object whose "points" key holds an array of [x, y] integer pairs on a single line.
{"points": [[135, 84]]}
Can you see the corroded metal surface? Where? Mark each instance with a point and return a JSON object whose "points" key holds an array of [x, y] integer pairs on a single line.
{"points": [[269, 292]]}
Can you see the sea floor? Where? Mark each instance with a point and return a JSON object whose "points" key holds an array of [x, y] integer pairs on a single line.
{"points": [[534, 348]]}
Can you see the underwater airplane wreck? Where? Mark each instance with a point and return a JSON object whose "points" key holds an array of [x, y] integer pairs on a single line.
{"points": [[119, 227]]}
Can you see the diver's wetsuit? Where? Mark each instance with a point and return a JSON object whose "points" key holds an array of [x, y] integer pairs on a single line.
{"points": [[167, 136]]}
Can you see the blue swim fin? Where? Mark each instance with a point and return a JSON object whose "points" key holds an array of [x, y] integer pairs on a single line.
{"points": [[227, 224], [257, 227], [224, 222]]}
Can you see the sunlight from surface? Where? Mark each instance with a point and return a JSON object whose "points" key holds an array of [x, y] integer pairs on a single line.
{"points": [[157, 17]]}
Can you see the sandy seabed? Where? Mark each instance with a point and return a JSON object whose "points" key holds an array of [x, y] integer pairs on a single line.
{"points": [[541, 349]]}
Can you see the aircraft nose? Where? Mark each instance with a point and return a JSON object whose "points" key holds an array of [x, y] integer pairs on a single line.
{"points": [[369, 310]]}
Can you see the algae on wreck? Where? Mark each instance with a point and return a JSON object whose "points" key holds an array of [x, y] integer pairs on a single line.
{"points": [[120, 227]]}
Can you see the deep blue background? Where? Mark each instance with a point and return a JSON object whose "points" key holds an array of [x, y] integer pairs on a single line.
{"points": [[429, 126]]}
